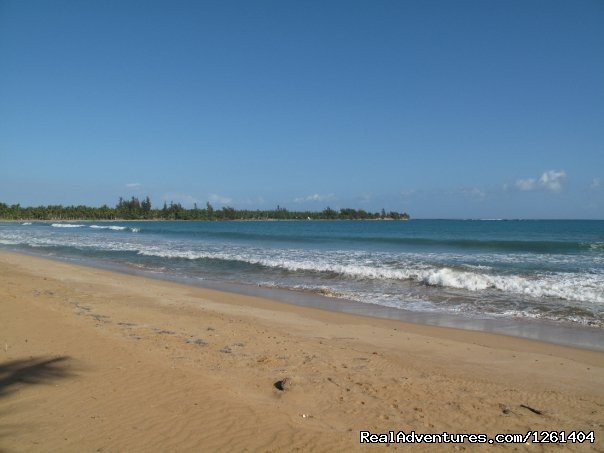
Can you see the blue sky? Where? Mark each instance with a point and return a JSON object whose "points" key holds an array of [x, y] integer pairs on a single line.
{"points": [[438, 108]]}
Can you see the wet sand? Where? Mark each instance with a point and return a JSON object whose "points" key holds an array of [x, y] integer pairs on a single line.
{"points": [[93, 360]]}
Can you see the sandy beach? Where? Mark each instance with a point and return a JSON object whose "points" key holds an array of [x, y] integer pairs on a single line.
{"points": [[92, 360]]}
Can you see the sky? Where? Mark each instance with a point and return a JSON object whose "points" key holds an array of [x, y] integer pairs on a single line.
{"points": [[442, 109]]}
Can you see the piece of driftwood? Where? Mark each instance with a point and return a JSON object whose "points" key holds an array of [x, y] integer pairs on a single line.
{"points": [[534, 411]]}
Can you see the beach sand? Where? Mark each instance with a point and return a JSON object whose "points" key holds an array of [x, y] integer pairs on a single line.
{"points": [[92, 360]]}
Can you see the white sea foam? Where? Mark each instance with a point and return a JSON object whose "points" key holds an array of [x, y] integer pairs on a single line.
{"points": [[570, 286], [81, 242], [26, 223], [96, 227], [109, 227], [352, 269], [537, 315], [66, 225], [519, 314]]}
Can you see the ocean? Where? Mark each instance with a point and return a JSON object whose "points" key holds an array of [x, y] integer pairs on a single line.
{"points": [[529, 270]]}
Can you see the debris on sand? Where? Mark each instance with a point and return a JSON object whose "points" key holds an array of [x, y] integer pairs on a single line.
{"points": [[283, 384], [534, 411]]}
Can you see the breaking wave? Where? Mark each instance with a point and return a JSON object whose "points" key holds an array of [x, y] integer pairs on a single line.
{"points": [[570, 286], [94, 227], [66, 225], [493, 276], [108, 227]]}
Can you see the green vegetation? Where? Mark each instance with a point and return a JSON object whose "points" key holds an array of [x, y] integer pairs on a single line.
{"points": [[134, 209]]}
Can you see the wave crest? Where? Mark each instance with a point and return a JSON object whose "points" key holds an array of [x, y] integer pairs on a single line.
{"points": [[66, 225], [578, 287], [108, 227]]}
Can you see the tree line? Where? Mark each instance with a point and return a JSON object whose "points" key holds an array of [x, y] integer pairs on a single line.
{"points": [[135, 209]]}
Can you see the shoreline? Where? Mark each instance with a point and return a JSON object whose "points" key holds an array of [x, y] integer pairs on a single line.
{"points": [[527, 219], [125, 362], [201, 220], [562, 334]]}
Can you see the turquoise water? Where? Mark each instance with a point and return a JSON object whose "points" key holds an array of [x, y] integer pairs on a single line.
{"points": [[541, 269]]}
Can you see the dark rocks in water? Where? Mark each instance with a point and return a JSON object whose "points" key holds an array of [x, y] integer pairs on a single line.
{"points": [[283, 384]]}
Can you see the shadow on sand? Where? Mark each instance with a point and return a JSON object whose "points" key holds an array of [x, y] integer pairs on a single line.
{"points": [[23, 373], [38, 370]]}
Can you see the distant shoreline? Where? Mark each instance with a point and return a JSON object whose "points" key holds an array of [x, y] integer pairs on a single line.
{"points": [[4, 220], [198, 220], [135, 209]]}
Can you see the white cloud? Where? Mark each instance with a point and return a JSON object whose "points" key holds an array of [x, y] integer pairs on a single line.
{"points": [[215, 198], [314, 197], [595, 183], [550, 180], [133, 185], [526, 184]]}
